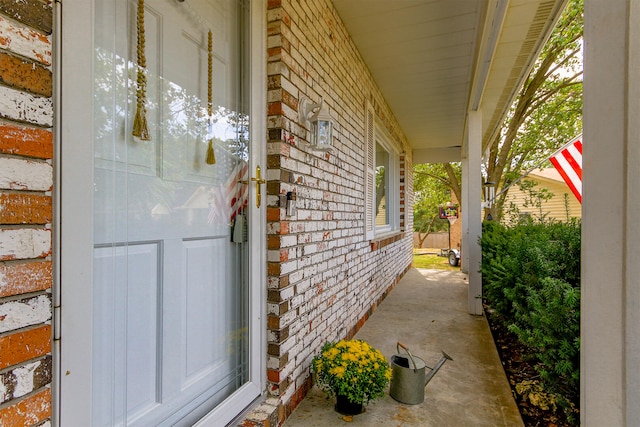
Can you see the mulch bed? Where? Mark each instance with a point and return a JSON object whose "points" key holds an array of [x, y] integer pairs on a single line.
{"points": [[519, 367]]}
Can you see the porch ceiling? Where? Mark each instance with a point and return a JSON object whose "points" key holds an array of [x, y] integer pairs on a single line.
{"points": [[436, 60]]}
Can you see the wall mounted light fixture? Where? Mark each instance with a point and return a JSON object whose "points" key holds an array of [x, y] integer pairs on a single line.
{"points": [[317, 119], [489, 194]]}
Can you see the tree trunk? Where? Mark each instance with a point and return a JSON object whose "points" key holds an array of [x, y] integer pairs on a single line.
{"points": [[421, 239]]}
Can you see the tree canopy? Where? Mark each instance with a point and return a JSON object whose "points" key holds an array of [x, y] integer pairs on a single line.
{"points": [[547, 112]]}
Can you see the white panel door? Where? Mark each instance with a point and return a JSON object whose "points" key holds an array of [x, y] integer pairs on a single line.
{"points": [[171, 295]]}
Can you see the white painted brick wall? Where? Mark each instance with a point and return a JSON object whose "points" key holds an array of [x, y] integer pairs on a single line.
{"points": [[288, 267], [25, 41], [21, 307], [273, 256], [24, 107], [272, 362], [24, 379], [26, 312], [24, 243], [19, 174], [273, 309], [287, 293], [333, 275], [288, 241]]}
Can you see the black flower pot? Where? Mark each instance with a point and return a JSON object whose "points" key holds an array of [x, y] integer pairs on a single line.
{"points": [[345, 407]]}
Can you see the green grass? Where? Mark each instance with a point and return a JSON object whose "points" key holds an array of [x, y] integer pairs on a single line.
{"points": [[424, 260]]}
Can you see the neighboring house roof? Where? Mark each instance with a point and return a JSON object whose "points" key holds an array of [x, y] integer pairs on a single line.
{"points": [[547, 173]]}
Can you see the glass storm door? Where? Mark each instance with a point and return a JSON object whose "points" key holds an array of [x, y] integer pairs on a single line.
{"points": [[171, 290]]}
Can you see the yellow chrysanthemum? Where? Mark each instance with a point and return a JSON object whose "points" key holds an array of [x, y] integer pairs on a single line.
{"points": [[353, 367]]}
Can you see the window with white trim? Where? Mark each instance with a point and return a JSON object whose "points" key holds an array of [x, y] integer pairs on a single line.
{"points": [[382, 180], [387, 206]]}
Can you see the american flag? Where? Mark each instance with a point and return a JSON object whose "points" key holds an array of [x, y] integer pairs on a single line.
{"points": [[568, 161], [236, 190], [229, 198]]}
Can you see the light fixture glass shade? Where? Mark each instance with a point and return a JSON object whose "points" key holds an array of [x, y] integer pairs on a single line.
{"points": [[320, 124], [322, 134]]}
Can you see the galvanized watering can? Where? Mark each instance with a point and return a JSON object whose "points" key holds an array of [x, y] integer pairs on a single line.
{"points": [[408, 382]]}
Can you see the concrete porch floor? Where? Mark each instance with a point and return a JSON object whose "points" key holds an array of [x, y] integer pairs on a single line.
{"points": [[427, 311]]}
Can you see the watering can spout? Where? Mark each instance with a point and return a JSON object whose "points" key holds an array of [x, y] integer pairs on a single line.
{"points": [[436, 368]]}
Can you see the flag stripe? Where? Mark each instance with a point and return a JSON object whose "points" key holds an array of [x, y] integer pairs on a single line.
{"points": [[574, 159], [230, 197], [569, 176], [568, 162], [239, 193]]}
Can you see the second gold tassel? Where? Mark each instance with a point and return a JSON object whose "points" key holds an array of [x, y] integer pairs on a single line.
{"points": [[140, 126], [211, 155]]}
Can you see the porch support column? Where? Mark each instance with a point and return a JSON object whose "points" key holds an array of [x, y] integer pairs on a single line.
{"points": [[472, 206], [610, 319], [464, 253]]}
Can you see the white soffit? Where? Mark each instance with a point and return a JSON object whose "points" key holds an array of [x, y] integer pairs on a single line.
{"points": [[423, 56]]}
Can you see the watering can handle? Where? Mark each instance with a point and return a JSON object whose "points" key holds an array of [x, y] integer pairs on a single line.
{"points": [[400, 345]]}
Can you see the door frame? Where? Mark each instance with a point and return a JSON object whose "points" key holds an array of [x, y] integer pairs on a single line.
{"points": [[74, 220]]}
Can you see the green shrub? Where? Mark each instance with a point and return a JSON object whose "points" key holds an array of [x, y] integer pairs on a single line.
{"points": [[515, 259], [531, 278], [551, 327]]}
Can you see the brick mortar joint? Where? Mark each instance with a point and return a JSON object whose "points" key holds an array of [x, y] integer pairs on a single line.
{"points": [[11, 191], [27, 123], [11, 368], [26, 262], [17, 400], [24, 330], [25, 296], [6, 121], [14, 227], [47, 160]]}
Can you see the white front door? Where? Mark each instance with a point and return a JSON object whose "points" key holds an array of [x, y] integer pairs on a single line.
{"points": [[171, 296]]}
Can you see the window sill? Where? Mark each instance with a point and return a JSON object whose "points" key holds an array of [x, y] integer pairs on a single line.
{"points": [[383, 240]]}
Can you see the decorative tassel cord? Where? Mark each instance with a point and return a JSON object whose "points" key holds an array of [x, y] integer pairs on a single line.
{"points": [[140, 126], [211, 156]]}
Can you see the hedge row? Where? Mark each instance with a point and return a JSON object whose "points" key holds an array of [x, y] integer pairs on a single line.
{"points": [[531, 278]]}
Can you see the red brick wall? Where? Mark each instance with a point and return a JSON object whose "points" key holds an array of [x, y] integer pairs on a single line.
{"points": [[26, 214]]}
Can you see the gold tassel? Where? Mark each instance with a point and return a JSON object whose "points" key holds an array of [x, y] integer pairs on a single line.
{"points": [[211, 155], [140, 127]]}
